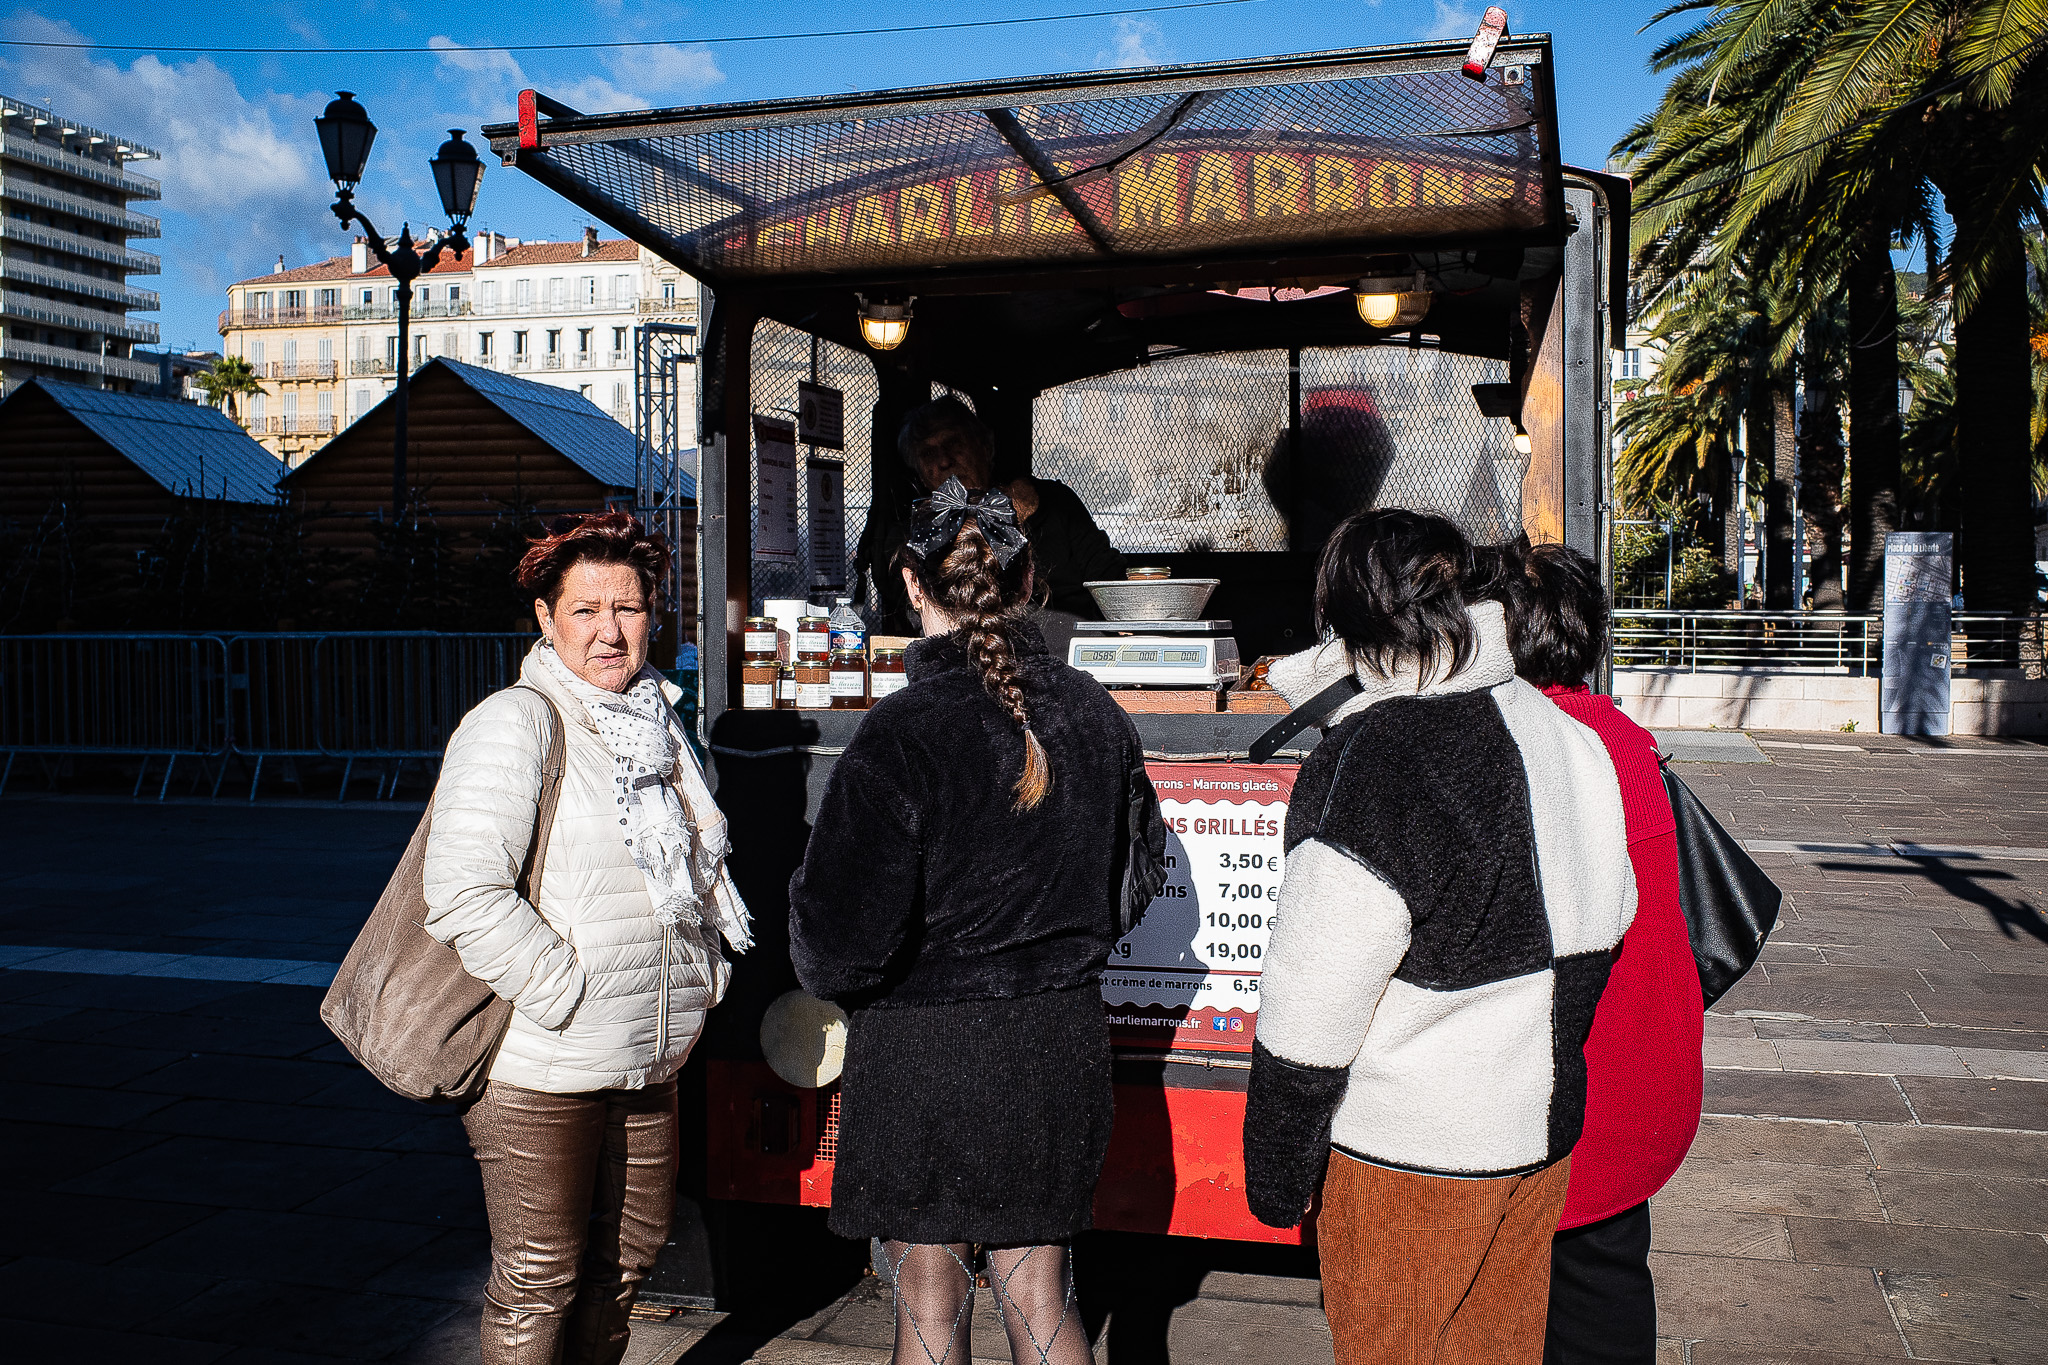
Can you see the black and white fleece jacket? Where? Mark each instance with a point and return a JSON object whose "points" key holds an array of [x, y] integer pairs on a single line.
{"points": [[1457, 883]]}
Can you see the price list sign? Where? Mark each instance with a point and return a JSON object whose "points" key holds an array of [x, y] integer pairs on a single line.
{"points": [[1187, 978]]}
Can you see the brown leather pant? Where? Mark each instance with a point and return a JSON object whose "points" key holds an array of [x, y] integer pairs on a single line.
{"points": [[1431, 1270], [579, 1189]]}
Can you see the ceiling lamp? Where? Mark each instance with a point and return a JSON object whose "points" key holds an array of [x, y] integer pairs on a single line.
{"points": [[1392, 300], [884, 325]]}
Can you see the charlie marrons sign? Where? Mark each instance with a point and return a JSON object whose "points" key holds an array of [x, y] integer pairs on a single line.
{"points": [[1188, 976]]}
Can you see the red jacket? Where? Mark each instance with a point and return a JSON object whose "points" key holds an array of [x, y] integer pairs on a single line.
{"points": [[1643, 1073]]}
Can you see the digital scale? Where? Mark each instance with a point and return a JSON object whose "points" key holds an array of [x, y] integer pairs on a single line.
{"points": [[1189, 654]]}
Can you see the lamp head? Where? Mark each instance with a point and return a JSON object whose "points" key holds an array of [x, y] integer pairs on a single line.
{"points": [[458, 175], [884, 325], [1392, 300], [345, 137]]}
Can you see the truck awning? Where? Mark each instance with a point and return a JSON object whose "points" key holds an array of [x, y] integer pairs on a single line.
{"points": [[1328, 155]]}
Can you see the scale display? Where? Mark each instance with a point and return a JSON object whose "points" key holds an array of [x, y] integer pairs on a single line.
{"points": [[1188, 976], [1195, 662]]}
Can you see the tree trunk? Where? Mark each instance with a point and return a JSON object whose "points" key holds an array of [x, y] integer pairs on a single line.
{"points": [[1873, 414], [1820, 464], [1994, 398], [1780, 518]]}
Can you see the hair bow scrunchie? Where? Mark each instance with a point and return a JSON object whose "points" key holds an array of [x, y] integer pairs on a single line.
{"points": [[936, 521]]}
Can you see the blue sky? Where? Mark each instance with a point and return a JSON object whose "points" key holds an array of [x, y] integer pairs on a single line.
{"points": [[243, 183]]}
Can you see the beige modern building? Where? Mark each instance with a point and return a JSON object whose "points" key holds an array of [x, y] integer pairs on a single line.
{"points": [[324, 337], [65, 259]]}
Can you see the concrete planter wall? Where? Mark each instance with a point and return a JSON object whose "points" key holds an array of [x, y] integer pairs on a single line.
{"points": [[1741, 699]]}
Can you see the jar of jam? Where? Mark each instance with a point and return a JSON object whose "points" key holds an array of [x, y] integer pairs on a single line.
{"points": [[757, 684], [886, 674], [785, 686], [759, 639], [814, 638], [849, 672], [813, 685]]}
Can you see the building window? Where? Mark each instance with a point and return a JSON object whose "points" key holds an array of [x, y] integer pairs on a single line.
{"points": [[326, 350], [259, 405], [619, 340], [291, 351], [483, 345], [362, 348], [584, 389], [490, 293], [454, 293], [622, 289], [259, 303], [558, 292], [1632, 363], [519, 345], [668, 291], [291, 408], [524, 289], [587, 289], [391, 351], [618, 399], [256, 353], [554, 341], [294, 299], [325, 405], [419, 351], [583, 340], [364, 401], [328, 298], [369, 299]]}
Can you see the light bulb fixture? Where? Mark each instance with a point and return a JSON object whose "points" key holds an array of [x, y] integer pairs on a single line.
{"points": [[458, 175], [1523, 445], [1392, 300], [883, 325], [345, 137]]}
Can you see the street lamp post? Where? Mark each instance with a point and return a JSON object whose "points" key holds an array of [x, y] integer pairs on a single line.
{"points": [[345, 137]]}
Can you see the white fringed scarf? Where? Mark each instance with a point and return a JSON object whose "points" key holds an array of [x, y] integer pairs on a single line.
{"points": [[673, 827]]}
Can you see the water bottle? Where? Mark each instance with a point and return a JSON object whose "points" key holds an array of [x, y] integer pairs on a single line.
{"points": [[848, 630]]}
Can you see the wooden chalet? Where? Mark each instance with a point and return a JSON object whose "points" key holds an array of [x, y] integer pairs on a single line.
{"points": [[480, 446], [122, 465]]}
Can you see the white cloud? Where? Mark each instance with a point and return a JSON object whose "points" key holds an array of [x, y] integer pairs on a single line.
{"points": [[1452, 21], [1137, 42], [638, 78], [241, 174]]}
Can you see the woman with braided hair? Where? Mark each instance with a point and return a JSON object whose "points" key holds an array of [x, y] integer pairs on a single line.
{"points": [[986, 838]]}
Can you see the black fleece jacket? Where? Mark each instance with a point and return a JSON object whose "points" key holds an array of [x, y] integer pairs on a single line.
{"points": [[922, 886]]}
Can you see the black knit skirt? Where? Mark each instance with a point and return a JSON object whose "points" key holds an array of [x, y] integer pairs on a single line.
{"points": [[981, 1121]]}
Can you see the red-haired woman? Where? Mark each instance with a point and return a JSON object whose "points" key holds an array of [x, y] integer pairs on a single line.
{"points": [[988, 835], [612, 966]]}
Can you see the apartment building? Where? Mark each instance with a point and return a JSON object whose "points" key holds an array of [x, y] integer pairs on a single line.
{"points": [[324, 338], [310, 330], [65, 258]]}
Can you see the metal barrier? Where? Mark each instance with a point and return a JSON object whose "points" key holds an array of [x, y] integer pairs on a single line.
{"points": [[366, 695], [1807, 642], [155, 696]]}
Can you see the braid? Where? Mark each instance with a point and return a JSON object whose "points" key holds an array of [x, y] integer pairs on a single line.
{"points": [[971, 581]]}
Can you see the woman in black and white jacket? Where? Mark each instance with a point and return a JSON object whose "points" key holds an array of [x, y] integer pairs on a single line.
{"points": [[1457, 881]]}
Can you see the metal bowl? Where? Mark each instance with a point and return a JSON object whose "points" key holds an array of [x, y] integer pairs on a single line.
{"points": [[1153, 599]]}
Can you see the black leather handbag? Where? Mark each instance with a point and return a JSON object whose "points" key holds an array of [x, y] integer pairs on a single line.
{"points": [[1730, 904]]}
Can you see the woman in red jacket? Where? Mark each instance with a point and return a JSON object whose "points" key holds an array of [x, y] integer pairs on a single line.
{"points": [[1643, 1073]]}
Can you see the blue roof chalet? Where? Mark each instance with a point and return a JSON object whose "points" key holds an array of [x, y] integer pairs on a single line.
{"points": [[191, 451]]}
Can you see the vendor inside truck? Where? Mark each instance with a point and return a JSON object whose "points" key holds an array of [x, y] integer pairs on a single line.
{"points": [[944, 439]]}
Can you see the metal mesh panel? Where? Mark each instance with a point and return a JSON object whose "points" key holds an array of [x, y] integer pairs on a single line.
{"points": [[783, 356], [1193, 452], [1332, 157], [1170, 456], [1404, 432]]}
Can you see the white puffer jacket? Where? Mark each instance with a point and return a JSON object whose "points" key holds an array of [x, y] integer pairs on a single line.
{"points": [[603, 996]]}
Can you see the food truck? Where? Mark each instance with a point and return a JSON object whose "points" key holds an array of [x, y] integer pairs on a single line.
{"points": [[1225, 304]]}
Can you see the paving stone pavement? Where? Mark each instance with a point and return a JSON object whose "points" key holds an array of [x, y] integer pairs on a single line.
{"points": [[194, 1171]]}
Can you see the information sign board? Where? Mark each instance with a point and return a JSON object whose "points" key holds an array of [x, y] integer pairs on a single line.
{"points": [[1187, 978], [1913, 692], [826, 479], [775, 505]]}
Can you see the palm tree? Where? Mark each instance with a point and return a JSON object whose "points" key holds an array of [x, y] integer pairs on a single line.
{"points": [[227, 379], [1841, 113]]}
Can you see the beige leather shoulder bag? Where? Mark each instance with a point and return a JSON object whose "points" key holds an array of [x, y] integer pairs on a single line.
{"points": [[401, 1001]]}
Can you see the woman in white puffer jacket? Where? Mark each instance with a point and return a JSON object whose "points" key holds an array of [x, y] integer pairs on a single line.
{"points": [[610, 971]]}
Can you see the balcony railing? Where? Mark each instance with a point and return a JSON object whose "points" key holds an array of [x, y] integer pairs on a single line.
{"points": [[51, 277], [319, 425], [84, 167], [536, 307], [1802, 642], [583, 360], [661, 307], [84, 362], [522, 362], [369, 367], [280, 317], [300, 369], [388, 312], [616, 358], [551, 362], [113, 253], [78, 206], [78, 319]]}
